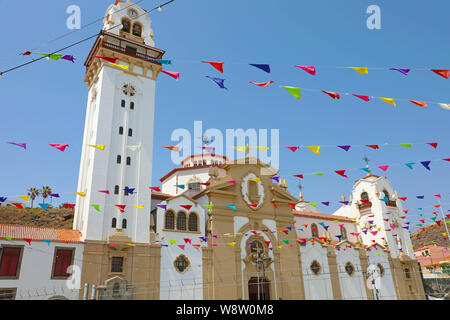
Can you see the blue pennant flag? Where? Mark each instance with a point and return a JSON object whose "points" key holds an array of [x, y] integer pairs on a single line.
{"points": [[204, 239], [410, 165], [130, 191], [420, 197], [385, 199], [366, 170], [218, 81], [181, 186], [44, 206], [48, 241], [426, 164], [232, 206], [289, 228], [161, 61], [3, 199], [264, 67], [339, 236]]}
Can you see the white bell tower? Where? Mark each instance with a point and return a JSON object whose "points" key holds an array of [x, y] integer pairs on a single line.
{"points": [[120, 116], [382, 221]]}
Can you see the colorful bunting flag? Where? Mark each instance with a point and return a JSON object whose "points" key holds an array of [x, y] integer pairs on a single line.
{"points": [[187, 207], [293, 91], [433, 144], [22, 145], [232, 206], [442, 72], [173, 74], [419, 103], [334, 95], [361, 70], [426, 164], [293, 149], [384, 168], [404, 71], [100, 147], [25, 198], [217, 65], [218, 81], [365, 98], [121, 66], [410, 165], [60, 147], [109, 59], [406, 145], [341, 173], [263, 67], [388, 100], [44, 206], [314, 149], [373, 146], [310, 69], [96, 207]]}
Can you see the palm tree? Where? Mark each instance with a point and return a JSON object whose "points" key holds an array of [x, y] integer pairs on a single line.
{"points": [[46, 190], [33, 193]]}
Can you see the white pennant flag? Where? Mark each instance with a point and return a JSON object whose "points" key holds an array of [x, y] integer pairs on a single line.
{"points": [[134, 148], [445, 106]]}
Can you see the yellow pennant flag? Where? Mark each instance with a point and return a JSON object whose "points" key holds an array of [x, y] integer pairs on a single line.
{"points": [[444, 234], [132, 245], [26, 198], [255, 180], [241, 149], [81, 194], [98, 146], [121, 66], [379, 229], [239, 233], [232, 244], [360, 70], [262, 148], [231, 235], [388, 100], [138, 206], [279, 247], [315, 149]]}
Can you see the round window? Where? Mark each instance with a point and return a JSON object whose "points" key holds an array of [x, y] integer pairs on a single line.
{"points": [[350, 269]]}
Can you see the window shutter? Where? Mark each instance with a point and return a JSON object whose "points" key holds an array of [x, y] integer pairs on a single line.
{"points": [[62, 262], [9, 262]]}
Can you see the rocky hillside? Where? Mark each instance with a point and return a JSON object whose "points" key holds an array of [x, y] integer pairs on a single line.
{"points": [[54, 218], [431, 233]]}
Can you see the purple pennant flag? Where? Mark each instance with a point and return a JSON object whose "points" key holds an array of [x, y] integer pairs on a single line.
{"points": [[204, 239], [404, 71], [344, 202], [218, 81], [209, 149], [371, 221], [250, 242], [266, 230], [339, 236], [23, 145], [277, 179], [346, 148], [214, 236], [365, 231], [407, 228], [289, 228], [54, 195], [264, 67], [68, 57], [426, 164], [162, 206], [326, 203]]}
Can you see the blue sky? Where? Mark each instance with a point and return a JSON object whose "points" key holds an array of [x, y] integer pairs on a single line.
{"points": [[45, 102]]}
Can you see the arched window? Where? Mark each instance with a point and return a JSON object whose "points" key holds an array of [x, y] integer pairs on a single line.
{"points": [[124, 223], [128, 161], [314, 231], [125, 191], [407, 273], [364, 196], [181, 221], [169, 220], [126, 25], [114, 223], [130, 132], [344, 233], [116, 290], [386, 194], [137, 29], [116, 190], [131, 105], [193, 224], [119, 159], [122, 104], [121, 130], [256, 247]]}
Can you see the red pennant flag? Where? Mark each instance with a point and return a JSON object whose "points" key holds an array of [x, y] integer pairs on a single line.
{"points": [[286, 231], [365, 201], [302, 239], [181, 246], [157, 189], [217, 65], [448, 159], [423, 220], [187, 207], [104, 191], [448, 216], [109, 59], [264, 84], [253, 205], [71, 206], [373, 146], [437, 206], [403, 198], [305, 225], [267, 243], [419, 103], [298, 176], [405, 211], [196, 246], [442, 72], [121, 207], [275, 205], [365, 98], [187, 240], [423, 229], [26, 53], [292, 205], [341, 173], [17, 204], [205, 183], [28, 240], [433, 144], [384, 168], [403, 217], [386, 219], [437, 195], [334, 95], [439, 222]]}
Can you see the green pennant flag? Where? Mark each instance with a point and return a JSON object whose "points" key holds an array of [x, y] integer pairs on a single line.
{"points": [[314, 204], [54, 56], [434, 218], [286, 241], [406, 145], [173, 241], [209, 206], [318, 174], [96, 207], [294, 91], [8, 238]]}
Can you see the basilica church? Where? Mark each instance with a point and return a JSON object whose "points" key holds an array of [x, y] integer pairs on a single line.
{"points": [[219, 228]]}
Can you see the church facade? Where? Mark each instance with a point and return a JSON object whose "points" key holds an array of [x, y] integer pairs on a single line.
{"points": [[220, 229]]}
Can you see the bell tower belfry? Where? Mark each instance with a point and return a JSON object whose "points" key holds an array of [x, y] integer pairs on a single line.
{"points": [[120, 117]]}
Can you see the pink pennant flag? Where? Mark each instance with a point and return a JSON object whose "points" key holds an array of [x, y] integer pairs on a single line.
{"points": [[173, 74], [365, 98], [437, 195], [104, 191], [60, 147], [310, 69], [232, 181], [384, 168], [181, 246], [293, 148]]}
